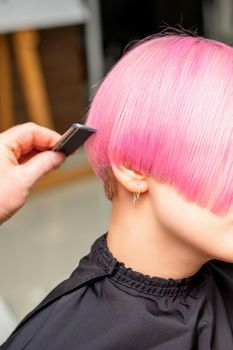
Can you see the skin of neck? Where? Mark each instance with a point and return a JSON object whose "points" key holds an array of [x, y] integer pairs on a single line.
{"points": [[138, 238]]}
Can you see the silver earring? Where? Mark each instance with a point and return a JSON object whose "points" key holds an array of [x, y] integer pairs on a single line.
{"points": [[137, 194]]}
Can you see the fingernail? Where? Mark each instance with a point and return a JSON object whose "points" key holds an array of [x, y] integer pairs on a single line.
{"points": [[57, 158]]}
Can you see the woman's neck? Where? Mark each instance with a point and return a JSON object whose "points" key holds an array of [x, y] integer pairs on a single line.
{"points": [[138, 239]]}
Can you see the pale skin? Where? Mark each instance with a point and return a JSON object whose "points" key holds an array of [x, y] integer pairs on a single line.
{"points": [[25, 157], [163, 234]]}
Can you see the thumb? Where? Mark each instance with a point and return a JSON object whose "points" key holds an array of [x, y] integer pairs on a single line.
{"points": [[41, 164]]}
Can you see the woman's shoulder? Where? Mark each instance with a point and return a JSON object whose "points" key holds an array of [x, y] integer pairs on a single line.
{"points": [[222, 273]]}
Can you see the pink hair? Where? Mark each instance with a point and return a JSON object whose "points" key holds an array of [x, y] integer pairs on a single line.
{"points": [[166, 110]]}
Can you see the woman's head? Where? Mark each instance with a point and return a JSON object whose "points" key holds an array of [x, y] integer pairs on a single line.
{"points": [[166, 110]]}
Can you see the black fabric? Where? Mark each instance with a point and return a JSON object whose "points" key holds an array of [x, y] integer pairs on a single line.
{"points": [[104, 305]]}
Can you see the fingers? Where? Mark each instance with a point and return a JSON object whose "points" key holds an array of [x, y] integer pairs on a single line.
{"points": [[40, 165], [21, 165], [23, 138]]}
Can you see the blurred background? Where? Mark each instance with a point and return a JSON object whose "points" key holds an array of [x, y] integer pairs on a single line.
{"points": [[53, 53]]}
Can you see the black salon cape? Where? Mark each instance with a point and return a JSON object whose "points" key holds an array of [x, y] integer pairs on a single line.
{"points": [[105, 306]]}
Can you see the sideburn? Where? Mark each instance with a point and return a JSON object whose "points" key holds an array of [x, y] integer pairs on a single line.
{"points": [[110, 184]]}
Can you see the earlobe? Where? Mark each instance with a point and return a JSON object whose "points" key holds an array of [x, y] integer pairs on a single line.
{"points": [[131, 180]]}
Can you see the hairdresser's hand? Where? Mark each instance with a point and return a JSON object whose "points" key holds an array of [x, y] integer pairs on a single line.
{"points": [[22, 163]]}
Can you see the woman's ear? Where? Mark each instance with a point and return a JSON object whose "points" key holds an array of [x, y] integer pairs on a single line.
{"points": [[131, 180]]}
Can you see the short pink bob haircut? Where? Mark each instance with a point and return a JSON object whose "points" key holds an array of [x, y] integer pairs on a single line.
{"points": [[166, 110]]}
